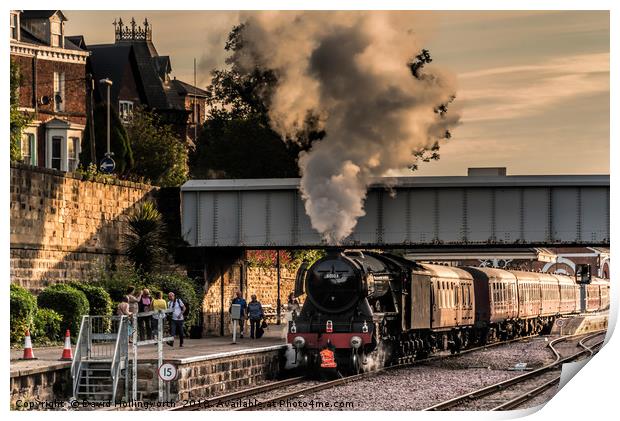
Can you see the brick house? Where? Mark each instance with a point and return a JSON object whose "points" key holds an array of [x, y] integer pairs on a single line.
{"points": [[52, 88], [141, 76]]}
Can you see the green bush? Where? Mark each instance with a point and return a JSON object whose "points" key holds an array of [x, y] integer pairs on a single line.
{"points": [[116, 283], [23, 309], [47, 326], [99, 300], [67, 301], [183, 287]]}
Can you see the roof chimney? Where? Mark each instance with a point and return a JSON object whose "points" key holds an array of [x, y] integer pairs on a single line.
{"points": [[487, 172]]}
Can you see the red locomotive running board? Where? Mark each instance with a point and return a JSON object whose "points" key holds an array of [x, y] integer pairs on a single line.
{"points": [[339, 340]]}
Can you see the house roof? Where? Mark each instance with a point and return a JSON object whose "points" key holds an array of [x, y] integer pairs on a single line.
{"points": [[110, 61], [40, 14], [184, 88]]}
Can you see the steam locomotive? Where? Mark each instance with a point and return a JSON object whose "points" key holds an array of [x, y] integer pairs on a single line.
{"points": [[373, 308]]}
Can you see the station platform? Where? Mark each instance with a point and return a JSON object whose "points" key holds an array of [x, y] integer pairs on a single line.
{"points": [[206, 366]]}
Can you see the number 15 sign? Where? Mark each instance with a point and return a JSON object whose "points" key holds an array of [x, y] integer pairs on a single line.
{"points": [[167, 372]]}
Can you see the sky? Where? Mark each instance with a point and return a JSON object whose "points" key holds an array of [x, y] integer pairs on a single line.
{"points": [[533, 87]]}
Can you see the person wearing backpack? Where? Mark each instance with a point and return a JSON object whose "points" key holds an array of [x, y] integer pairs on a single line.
{"points": [[178, 317]]}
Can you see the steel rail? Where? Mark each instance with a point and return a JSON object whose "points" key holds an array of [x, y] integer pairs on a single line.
{"points": [[497, 387], [516, 402], [349, 379], [205, 403]]}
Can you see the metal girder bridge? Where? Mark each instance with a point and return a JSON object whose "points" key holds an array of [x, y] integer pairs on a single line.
{"points": [[413, 212]]}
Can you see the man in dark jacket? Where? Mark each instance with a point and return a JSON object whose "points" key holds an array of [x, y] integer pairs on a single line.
{"points": [[241, 301], [255, 314]]}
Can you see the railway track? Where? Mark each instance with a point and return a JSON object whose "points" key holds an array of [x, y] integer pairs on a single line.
{"points": [[254, 393], [267, 395], [536, 382]]}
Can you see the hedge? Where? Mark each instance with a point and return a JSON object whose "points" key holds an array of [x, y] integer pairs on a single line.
{"points": [[23, 310], [116, 283], [67, 301], [47, 326], [183, 287], [99, 300]]}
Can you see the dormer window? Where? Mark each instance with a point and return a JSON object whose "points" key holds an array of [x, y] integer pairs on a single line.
{"points": [[14, 26], [56, 34]]}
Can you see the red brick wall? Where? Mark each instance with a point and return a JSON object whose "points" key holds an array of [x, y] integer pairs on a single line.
{"points": [[75, 87]]}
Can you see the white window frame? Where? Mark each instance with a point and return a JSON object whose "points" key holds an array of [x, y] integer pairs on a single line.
{"points": [[66, 133], [32, 139], [56, 38], [15, 33], [59, 89], [125, 110], [75, 141]]}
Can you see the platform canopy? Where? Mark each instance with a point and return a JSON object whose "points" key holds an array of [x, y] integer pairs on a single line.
{"points": [[408, 212]]}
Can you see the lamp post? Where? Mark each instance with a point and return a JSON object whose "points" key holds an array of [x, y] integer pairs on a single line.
{"points": [[108, 82]]}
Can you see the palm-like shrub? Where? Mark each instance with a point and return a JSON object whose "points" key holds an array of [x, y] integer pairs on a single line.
{"points": [[143, 241]]}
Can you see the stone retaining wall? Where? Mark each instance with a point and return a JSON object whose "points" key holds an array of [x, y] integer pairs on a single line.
{"points": [[64, 227], [213, 375]]}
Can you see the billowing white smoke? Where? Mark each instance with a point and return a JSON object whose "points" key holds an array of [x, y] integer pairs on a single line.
{"points": [[351, 70]]}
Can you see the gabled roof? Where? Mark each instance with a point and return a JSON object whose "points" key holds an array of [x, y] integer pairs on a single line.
{"points": [[40, 14], [76, 41], [184, 88], [110, 61], [27, 36]]}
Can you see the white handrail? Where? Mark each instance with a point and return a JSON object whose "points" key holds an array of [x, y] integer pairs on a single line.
{"points": [[77, 358], [114, 368]]}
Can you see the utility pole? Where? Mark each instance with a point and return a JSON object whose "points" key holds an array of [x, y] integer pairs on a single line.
{"points": [[108, 82], [279, 301], [91, 116], [195, 114]]}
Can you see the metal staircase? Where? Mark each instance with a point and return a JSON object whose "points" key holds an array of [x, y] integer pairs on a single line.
{"points": [[101, 359]]}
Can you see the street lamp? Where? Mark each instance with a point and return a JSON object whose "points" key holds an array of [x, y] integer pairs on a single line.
{"points": [[108, 82]]}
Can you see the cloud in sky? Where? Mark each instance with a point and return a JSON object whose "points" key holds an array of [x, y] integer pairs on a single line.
{"points": [[528, 80], [513, 91]]}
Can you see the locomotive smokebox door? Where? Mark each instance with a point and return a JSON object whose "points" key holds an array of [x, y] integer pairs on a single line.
{"points": [[583, 274]]}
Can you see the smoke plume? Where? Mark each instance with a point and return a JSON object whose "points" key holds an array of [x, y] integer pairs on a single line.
{"points": [[366, 79]]}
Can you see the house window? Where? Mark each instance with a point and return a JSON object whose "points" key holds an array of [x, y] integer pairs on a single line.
{"points": [[59, 91], [125, 110], [57, 152], [56, 34], [14, 27], [29, 149], [73, 153]]}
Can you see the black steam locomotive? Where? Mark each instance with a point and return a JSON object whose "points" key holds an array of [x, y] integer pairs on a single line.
{"points": [[372, 308]]}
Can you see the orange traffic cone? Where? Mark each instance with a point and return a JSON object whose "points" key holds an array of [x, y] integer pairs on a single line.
{"points": [[28, 354], [67, 354]]}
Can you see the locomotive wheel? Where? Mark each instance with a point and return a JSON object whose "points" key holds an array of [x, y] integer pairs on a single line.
{"points": [[356, 366]]}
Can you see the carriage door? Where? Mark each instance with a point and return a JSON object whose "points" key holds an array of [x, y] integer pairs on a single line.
{"points": [[458, 304]]}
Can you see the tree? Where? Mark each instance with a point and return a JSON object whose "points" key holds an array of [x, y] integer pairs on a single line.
{"points": [[19, 120], [143, 241], [119, 143], [237, 141], [242, 148], [159, 155]]}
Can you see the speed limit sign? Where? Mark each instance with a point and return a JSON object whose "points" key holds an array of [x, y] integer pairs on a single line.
{"points": [[167, 372]]}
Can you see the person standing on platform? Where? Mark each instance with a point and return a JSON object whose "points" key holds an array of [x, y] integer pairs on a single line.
{"points": [[293, 305], [178, 308], [158, 304], [255, 314], [144, 323], [241, 301]]}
